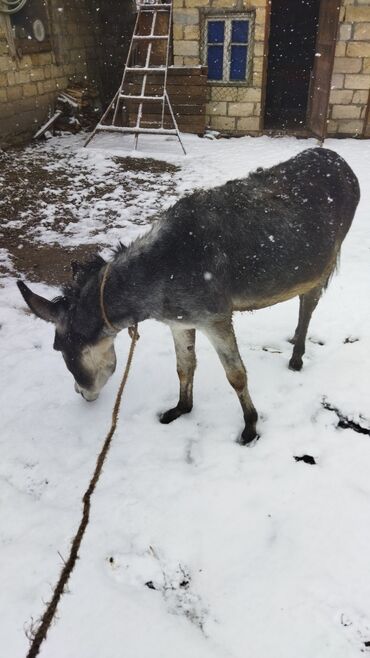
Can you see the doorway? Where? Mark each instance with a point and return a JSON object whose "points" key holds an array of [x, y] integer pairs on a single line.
{"points": [[291, 58]]}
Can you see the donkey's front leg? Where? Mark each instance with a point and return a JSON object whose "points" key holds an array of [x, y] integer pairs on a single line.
{"points": [[184, 340], [222, 337]]}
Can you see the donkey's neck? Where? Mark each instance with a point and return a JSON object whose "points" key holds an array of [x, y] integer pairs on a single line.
{"points": [[132, 291]]}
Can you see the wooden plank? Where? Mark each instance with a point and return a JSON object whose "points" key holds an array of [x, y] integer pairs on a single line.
{"points": [[323, 67]]}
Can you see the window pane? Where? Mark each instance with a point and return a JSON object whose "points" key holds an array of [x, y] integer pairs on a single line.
{"points": [[216, 31], [215, 62], [239, 31], [238, 63]]}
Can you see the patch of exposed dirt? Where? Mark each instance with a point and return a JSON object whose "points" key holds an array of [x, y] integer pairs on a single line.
{"points": [[42, 192]]}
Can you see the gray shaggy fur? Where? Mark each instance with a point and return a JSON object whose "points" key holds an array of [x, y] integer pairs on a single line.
{"points": [[244, 245]]}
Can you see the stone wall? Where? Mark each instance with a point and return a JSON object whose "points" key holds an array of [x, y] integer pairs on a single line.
{"points": [[29, 84], [350, 86], [233, 108]]}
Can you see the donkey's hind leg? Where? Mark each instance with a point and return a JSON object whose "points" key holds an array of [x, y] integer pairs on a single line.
{"points": [[221, 334], [184, 340], [307, 305]]}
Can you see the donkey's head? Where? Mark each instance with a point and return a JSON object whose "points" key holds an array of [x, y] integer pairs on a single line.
{"points": [[80, 334]]}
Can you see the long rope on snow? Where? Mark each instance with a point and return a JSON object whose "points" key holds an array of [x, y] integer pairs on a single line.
{"points": [[69, 565]]}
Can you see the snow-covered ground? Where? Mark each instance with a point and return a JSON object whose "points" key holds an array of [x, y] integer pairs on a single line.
{"points": [[247, 552]]}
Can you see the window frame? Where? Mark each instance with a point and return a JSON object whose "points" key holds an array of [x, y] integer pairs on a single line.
{"points": [[227, 17], [27, 45]]}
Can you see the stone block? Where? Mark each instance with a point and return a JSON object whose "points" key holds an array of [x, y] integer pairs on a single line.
{"points": [[337, 81], [186, 48], [259, 49], [224, 4], [260, 16], [362, 32], [258, 64], [15, 93], [257, 109], [217, 107], [360, 97], [191, 61], [358, 49], [40, 59], [249, 94], [37, 73], [332, 127], [3, 98], [347, 65], [224, 124], [178, 32], [196, 3], [350, 127], [46, 86], [357, 82], [177, 4], [178, 61], [25, 62], [259, 33], [10, 78], [340, 49], [345, 32], [191, 32], [4, 48], [3, 80], [358, 14], [186, 17], [366, 68], [240, 109], [5, 63], [249, 124], [346, 112], [340, 96], [257, 79], [30, 89]]}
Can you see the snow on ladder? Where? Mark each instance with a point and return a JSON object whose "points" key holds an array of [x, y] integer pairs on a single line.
{"points": [[133, 99]]}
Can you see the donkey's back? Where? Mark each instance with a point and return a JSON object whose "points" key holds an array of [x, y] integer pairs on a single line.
{"points": [[272, 235]]}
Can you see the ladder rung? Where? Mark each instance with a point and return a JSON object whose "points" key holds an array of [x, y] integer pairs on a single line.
{"points": [[142, 98], [148, 37], [156, 6], [143, 69], [150, 131]]}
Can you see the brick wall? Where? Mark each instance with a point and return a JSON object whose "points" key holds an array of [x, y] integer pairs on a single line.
{"points": [[29, 84], [351, 75], [232, 108]]}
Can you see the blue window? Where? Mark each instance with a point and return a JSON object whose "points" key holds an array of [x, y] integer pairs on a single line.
{"points": [[215, 51], [227, 41]]}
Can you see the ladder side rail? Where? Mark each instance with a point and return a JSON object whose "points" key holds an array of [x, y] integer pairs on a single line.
{"points": [[169, 30], [126, 66], [143, 84], [174, 122]]}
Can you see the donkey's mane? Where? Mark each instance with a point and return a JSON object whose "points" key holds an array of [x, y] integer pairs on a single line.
{"points": [[82, 273]]}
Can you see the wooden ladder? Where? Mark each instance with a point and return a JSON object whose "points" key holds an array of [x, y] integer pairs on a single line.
{"points": [[135, 77]]}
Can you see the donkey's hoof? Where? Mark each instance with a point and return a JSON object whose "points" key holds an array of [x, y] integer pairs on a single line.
{"points": [[249, 436], [295, 363], [170, 415]]}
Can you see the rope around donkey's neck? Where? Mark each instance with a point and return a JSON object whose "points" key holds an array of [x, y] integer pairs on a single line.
{"points": [[51, 609]]}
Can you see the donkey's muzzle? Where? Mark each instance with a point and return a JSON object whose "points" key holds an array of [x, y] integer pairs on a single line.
{"points": [[89, 397]]}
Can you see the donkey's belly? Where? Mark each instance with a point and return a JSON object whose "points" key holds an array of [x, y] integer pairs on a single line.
{"points": [[253, 302]]}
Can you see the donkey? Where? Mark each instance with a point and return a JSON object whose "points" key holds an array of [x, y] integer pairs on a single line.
{"points": [[242, 246]]}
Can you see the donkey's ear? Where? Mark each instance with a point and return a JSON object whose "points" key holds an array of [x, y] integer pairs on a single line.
{"points": [[43, 308]]}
